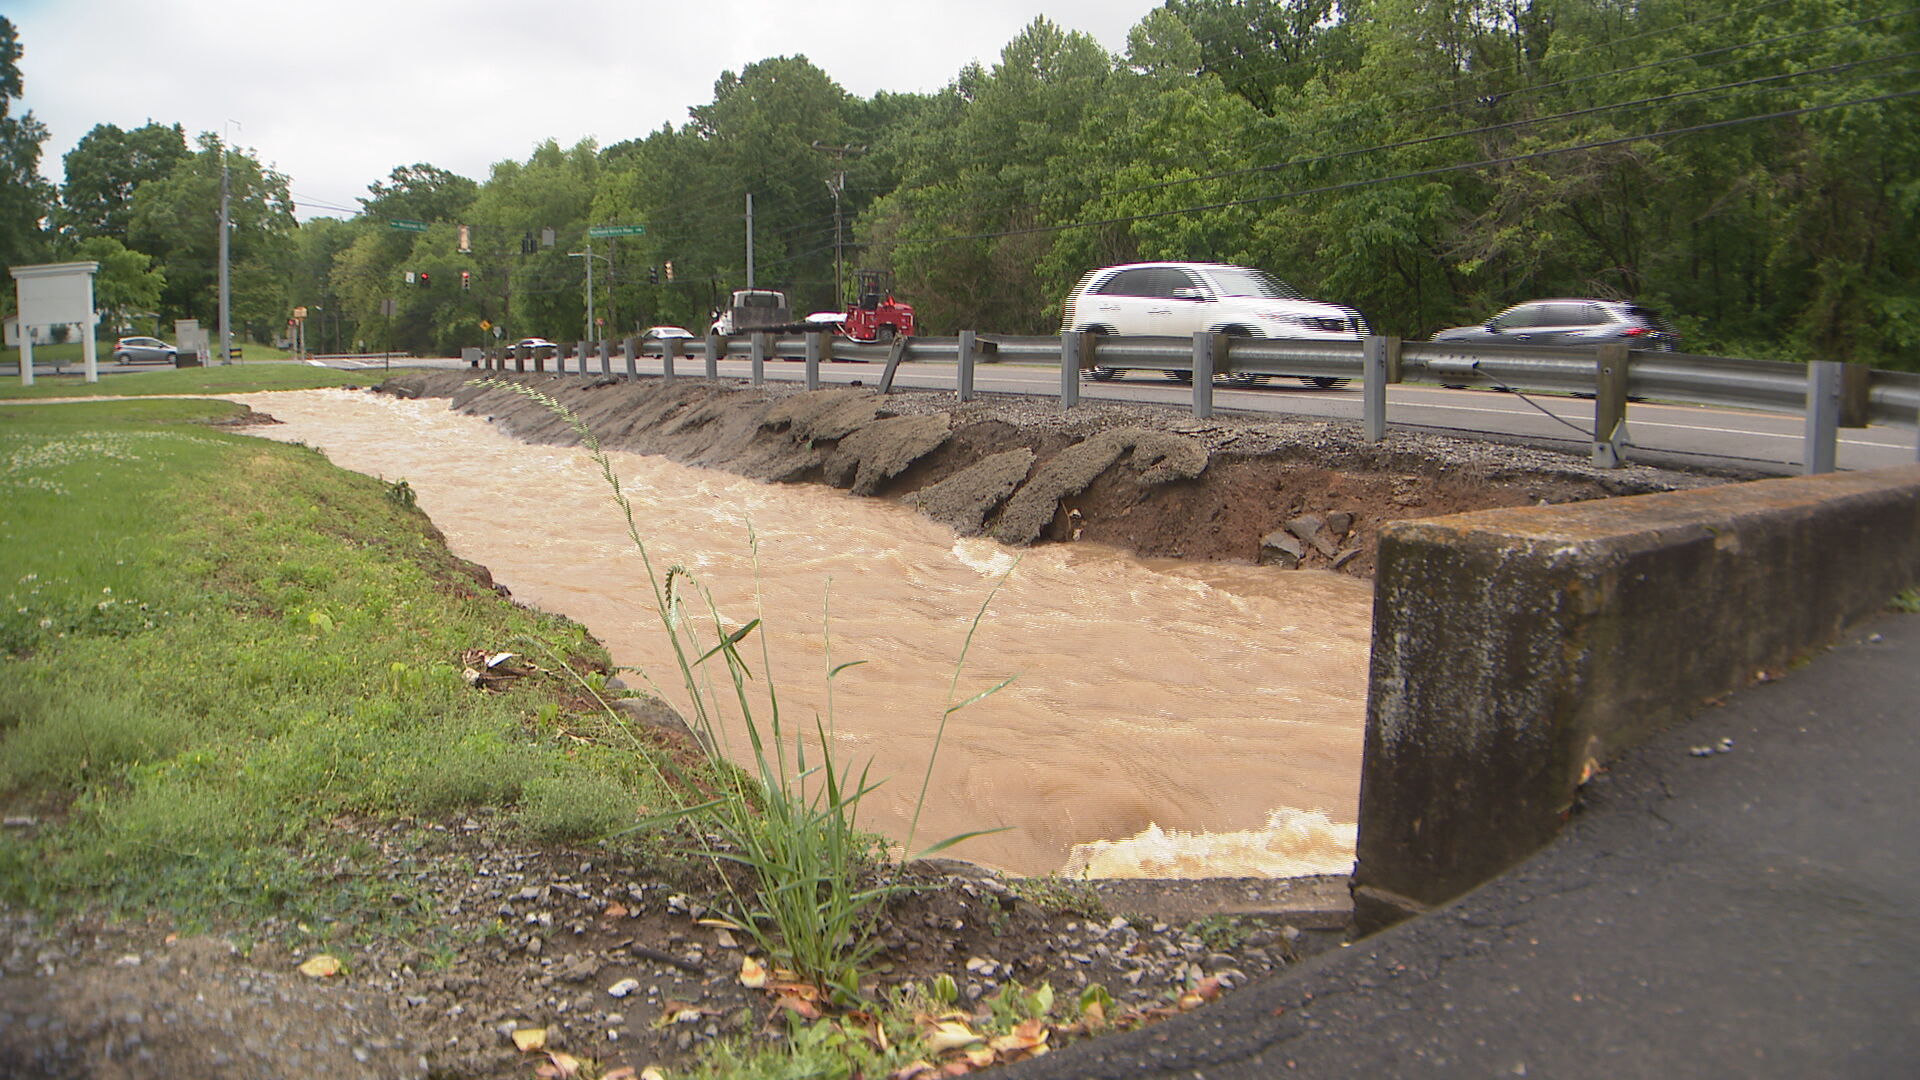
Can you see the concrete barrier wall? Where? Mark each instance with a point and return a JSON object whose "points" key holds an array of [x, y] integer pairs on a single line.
{"points": [[1516, 650]]}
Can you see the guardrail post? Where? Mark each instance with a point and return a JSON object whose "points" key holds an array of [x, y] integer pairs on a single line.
{"points": [[1204, 345], [1072, 342], [1609, 404], [964, 379], [540, 362], [1856, 401], [757, 353], [606, 356], [1823, 414], [1377, 355], [583, 352], [669, 352], [519, 358], [630, 348], [713, 357], [814, 346]]}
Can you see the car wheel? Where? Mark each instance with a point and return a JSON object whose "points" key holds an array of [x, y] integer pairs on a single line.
{"points": [[121, 358], [1323, 382], [884, 335], [1104, 374]]}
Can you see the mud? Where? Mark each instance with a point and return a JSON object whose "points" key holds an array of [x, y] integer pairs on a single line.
{"points": [[1138, 477]]}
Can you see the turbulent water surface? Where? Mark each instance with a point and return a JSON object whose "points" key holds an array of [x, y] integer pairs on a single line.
{"points": [[1165, 719]]}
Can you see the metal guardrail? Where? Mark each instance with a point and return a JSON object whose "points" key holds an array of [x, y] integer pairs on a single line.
{"points": [[1828, 394]]}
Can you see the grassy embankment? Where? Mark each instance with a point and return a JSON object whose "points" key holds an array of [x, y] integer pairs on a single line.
{"points": [[214, 644], [217, 379]]}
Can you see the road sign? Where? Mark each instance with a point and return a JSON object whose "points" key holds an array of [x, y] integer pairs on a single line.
{"points": [[598, 231], [486, 324], [404, 225]]}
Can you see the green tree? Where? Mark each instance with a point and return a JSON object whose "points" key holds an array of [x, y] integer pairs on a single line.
{"points": [[106, 166], [125, 287], [25, 199], [176, 219]]}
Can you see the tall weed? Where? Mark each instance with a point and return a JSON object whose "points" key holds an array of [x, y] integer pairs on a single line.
{"points": [[789, 820]]}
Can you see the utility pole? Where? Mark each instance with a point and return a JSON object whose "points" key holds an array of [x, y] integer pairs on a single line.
{"points": [[837, 185], [226, 226], [749, 239]]}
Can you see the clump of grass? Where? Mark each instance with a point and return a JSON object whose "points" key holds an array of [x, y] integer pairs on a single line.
{"points": [[788, 820], [1908, 602]]}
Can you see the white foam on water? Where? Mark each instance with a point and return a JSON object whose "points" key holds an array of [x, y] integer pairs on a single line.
{"points": [[1293, 843]]}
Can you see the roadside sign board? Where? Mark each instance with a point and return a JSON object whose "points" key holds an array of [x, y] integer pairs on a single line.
{"points": [[404, 225], [598, 231]]}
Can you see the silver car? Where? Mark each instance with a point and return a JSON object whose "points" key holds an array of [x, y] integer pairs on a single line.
{"points": [[143, 350]]}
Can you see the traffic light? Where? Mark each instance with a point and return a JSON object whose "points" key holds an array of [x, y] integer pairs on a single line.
{"points": [[466, 280], [653, 275], [424, 277], [669, 271]]}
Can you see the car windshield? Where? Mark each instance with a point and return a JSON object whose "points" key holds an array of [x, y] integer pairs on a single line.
{"points": [[1255, 283]]}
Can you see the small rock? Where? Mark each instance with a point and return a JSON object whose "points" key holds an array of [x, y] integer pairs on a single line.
{"points": [[623, 988]]}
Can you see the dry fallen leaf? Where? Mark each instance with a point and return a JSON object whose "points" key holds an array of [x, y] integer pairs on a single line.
{"points": [[559, 1066], [615, 910], [947, 1035], [320, 967], [625, 1072], [913, 1070], [798, 1004], [752, 975], [530, 1039]]}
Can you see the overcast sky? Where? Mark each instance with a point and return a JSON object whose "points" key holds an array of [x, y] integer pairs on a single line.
{"points": [[335, 95]]}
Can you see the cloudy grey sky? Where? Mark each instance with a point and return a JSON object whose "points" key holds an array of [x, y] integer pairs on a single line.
{"points": [[336, 94]]}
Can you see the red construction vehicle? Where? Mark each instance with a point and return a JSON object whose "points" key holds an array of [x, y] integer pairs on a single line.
{"points": [[875, 314]]}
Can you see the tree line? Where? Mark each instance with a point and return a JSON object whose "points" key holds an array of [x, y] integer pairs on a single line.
{"points": [[1750, 169]]}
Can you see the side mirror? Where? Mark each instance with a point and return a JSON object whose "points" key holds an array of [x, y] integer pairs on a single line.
{"points": [[1493, 326]]}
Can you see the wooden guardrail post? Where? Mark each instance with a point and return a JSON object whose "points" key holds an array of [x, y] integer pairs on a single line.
{"points": [[714, 346], [757, 354], [630, 348], [669, 352]]}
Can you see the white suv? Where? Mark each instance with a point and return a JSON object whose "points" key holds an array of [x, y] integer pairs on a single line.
{"points": [[1169, 299]]}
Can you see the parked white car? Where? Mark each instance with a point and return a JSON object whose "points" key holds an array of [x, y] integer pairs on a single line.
{"points": [[1180, 299]]}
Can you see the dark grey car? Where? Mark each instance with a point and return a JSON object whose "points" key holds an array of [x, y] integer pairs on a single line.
{"points": [[1571, 322], [143, 350]]}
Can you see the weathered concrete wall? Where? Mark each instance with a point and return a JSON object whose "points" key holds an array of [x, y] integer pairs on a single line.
{"points": [[1516, 650]]}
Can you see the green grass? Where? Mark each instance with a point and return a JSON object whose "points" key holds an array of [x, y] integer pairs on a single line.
{"points": [[72, 353], [214, 644], [216, 379]]}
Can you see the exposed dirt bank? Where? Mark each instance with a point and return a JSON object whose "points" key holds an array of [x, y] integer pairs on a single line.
{"points": [[1295, 492]]}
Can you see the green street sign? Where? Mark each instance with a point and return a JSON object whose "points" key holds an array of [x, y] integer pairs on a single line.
{"points": [[407, 226], [598, 231]]}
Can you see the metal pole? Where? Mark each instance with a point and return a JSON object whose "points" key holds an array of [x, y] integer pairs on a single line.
{"points": [[1609, 404], [749, 240], [1373, 386], [966, 365], [1823, 415], [226, 330], [1203, 346], [1071, 344], [590, 333]]}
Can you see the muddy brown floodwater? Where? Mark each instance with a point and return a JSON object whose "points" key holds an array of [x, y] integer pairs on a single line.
{"points": [[1167, 719]]}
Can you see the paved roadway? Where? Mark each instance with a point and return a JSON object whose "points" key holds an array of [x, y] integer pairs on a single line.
{"points": [[1762, 441], [1746, 912]]}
